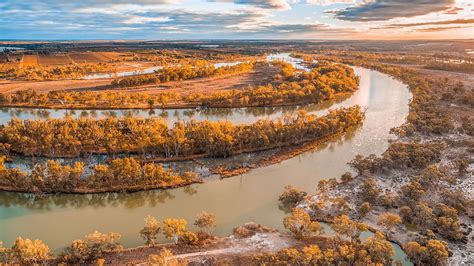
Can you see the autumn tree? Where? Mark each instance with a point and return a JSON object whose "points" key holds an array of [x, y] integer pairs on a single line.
{"points": [[364, 209], [379, 249], [29, 251], [291, 196], [206, 221], [406, 214], [312, 255], [164, 258], [92, 247], [369, 191], [174, 228], [344, 226], [388, 221], [189, 238], [151, 230], [300, 224], [434, 252]]}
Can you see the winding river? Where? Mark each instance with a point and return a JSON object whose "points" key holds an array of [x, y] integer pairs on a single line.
{"points": [[58, 220]]}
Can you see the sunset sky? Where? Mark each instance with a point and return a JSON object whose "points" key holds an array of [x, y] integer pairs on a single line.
{"points": [[239, 19]]}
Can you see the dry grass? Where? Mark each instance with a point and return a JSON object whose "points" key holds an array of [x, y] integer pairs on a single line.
{"points": [[9, 65], [88, 57], [29, 60], [114, 55], [54, 60]]}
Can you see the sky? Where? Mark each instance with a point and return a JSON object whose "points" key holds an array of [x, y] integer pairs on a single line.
{"points": [[236, 19]]}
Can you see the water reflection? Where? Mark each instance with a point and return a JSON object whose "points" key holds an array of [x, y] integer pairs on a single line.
{"points": [[235, 115]]}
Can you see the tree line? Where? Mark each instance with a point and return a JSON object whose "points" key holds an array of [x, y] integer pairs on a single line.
{"points": [[323, 82], [199, 69], [56, 73], [122, 174], [69, 137], [96, 245]]}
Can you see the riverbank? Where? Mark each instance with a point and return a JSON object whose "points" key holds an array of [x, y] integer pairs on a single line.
{"points": [[283, 153], [112, 189], [429, 190]]}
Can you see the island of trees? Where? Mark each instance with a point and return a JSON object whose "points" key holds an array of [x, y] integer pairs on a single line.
{"points": [[324, 82], [153, 138], [120, 175]]}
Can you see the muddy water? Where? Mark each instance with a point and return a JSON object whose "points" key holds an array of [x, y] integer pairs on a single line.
{"points": [[58, 220]]}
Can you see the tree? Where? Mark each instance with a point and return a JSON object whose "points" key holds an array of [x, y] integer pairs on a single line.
{"points": [[312, 255], [206, 221], [347, 176], [435, 252], [291, 196], [151, 230], [364, 209], [189, 238], [415, 252], [340, 205], [389, 220], [424, 216], [30, 251], [5, 254], [164, 258], [369, 191], [300, 224], [379, 249], [406, 214], [344, 226], [92, 247], [448, 222], [413, 192], [174, 228]]}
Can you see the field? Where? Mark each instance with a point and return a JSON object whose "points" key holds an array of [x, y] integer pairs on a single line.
{"points": [[29, 60], [54, 60], [6, 66], [3, 58], [114, 55], [88, 57]]}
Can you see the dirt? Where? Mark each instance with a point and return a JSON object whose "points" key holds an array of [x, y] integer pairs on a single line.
{"points": [[260, 240]]}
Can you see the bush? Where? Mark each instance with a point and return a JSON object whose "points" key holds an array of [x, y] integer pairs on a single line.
{"points": [[189, 238], [291, 196], [93, 247]]}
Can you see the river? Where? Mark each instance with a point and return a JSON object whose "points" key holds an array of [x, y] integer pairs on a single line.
{"points": [[60, 219]]}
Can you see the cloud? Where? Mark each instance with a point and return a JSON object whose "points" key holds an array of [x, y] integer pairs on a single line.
{"points": [[388, 9], [453, 10], [436, 29], [145, 20], [266, 4], [162, 19], [443, 22], [329, 2]]}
